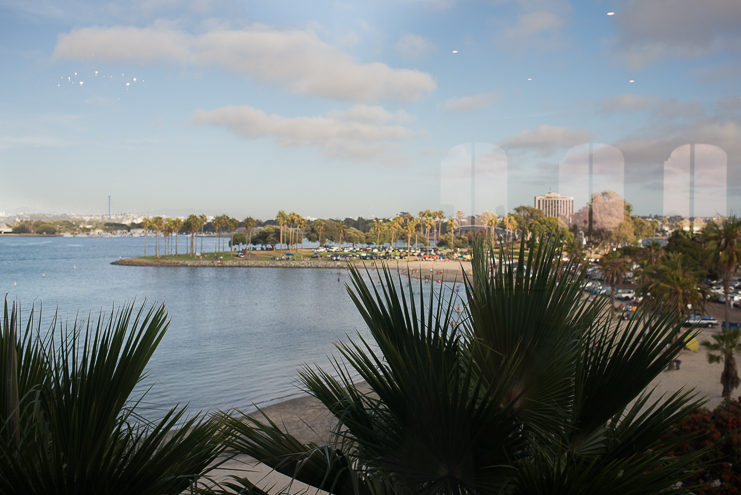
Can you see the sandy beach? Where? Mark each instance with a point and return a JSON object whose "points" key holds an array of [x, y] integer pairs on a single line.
{"points": [[444, 270]]}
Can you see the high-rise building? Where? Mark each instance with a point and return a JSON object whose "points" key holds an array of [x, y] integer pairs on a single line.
{"points": [[555, 205]]}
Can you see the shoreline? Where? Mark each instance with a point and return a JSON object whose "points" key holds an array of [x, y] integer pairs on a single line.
{"points": [[442, 271]]}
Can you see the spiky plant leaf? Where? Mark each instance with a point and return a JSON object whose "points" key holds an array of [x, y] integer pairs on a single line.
{"points": [[80, 432]]}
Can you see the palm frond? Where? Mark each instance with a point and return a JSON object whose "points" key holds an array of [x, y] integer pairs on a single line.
{"points": [[79, 428]]}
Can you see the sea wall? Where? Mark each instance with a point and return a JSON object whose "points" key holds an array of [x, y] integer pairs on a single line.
{"points": [[230, 263]]}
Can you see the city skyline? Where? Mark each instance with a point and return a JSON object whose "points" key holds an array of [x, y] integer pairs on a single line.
{"points": [[343, 108]]}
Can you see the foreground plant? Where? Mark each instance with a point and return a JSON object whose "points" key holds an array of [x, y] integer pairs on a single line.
{"points": [[69, 423], [726, 344], [535, 392]]}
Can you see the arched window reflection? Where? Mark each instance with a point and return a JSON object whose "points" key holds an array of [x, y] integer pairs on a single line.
{"points": [[695, 178], [473, 179]]}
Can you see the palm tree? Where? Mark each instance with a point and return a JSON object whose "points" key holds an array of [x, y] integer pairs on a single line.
{"points": [[341, 229], [510, 224], [233, 224], [157, 223], [440, 218], [203, 220], [319, 227], [672, 286], [533, 393], [396, 226], [724, 241], [166, 231], [614, 267], [292, 221], [146, 225], [76, 415], [726, 343], [429, 225], [216, 222], [177, 224], [192, 225], [654, 251], [282, 219], [378, 228], [491, 225], [249, 225], [452, 225], [409, 229]]}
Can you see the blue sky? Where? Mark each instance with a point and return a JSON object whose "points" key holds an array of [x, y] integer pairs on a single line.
{"points": [[333, 108]]}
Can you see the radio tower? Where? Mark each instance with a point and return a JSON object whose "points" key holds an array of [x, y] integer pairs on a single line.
{"points": [[109, 207]]}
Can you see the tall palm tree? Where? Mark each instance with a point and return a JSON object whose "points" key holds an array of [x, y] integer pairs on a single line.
{"points": [[724, 241], [409, 229], [654, 251], [166, 231], [192, 224], [452, 225], [319, 227], [157, 223], [614, 267], [341, 229], [189, 226], [727, 343], [177, 224], [510, 224], [396, 225], [203, 220], [216, 222], [249, 225], [672, 286], [533, 393], [146, 225], [282, 219], [78, 411], [378, 228], [491, 224]]}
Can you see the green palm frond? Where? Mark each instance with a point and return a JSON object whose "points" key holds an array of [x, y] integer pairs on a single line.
{"points": [[80, 431], [324, 467], [535, 391]]}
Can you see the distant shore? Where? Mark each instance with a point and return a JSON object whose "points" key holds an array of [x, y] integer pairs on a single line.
{"points": [[447, 271]]}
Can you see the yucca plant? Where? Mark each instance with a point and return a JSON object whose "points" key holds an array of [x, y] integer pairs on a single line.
{"points": [[70, 424], [535, 391]]}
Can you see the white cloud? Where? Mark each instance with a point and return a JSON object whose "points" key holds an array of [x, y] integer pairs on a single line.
{"points": [[465, 103], [373, 114], [662, 110], [730, 71], [541, 30], [627, 102], [339, 135], [413, 46], [296, 60], [546, 139], [436, 4], [124, 44], [652, 30]]}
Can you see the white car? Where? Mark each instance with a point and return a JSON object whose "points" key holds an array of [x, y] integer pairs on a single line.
{"points": [[624, 294]]}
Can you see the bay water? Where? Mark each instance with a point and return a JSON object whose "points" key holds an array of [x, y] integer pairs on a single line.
{"points": [[237, 336]]}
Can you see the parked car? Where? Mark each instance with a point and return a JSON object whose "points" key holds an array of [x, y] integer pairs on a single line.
{"points": [[624, 294], [701, 321]]}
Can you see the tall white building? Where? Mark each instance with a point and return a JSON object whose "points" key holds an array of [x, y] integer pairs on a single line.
{"points": [[555, 205]]}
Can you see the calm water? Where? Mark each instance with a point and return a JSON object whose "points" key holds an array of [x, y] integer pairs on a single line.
{"points": [[236, 337]]}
